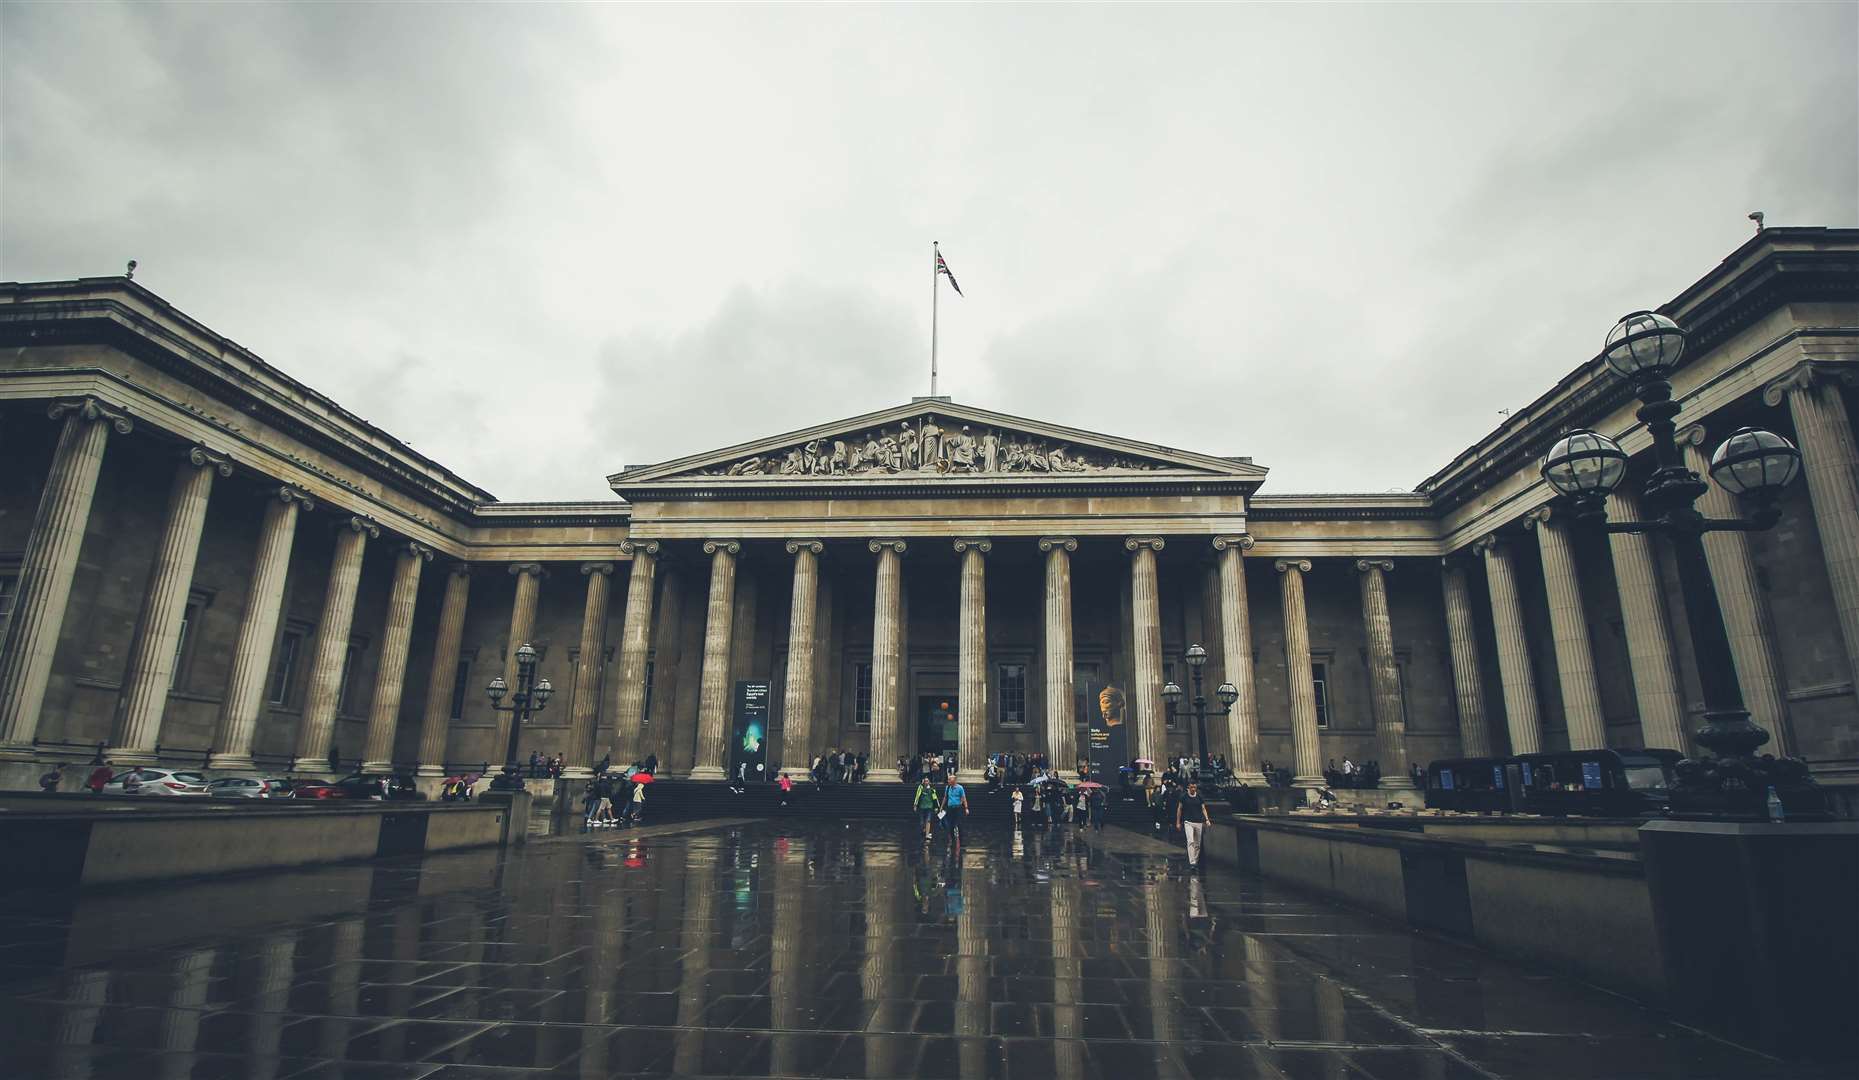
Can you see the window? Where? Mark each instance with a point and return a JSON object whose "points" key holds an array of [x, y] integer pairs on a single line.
{"points": [[1319, 677], [1011, 680], [645, 708], [345, 685], [861, 694], [1400, 682], [9, 595], [1084, 702], [461, 679], [284, 667]]}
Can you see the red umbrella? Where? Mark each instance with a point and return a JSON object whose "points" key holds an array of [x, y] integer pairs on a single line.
{"points": [[642, 778]]}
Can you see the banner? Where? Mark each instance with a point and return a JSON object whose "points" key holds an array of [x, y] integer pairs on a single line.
{"points": [[749, 747], [1110, 743]]}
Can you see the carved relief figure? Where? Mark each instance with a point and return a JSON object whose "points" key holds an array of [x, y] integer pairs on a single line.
{"points": [[907, 442], [990, 451], [927, 447], [932, 443], [962, 451]]}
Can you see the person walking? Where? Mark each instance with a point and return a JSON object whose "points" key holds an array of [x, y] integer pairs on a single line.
{"points": [[925, 802], [50, 781], [1019, 807], [787, 788], [635, 809], [1100, 805], [591, 800], [132, 782], [1192, 818], [955, 807], [99, 776], [1081, 814]]}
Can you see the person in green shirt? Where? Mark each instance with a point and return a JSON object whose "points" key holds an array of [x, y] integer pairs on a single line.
{"points": [[925, 802]]}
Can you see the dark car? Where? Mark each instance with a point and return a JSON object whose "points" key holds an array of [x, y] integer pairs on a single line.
{"points": [[383, 788]]}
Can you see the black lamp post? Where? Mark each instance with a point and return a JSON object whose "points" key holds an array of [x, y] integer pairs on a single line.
{"points": [[531, 697], [1227, 693], [1585, 467]]}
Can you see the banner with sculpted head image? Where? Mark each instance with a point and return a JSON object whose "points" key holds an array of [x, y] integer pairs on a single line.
{"points": [[1109, 748]]}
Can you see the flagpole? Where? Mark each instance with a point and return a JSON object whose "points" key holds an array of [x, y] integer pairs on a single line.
{"points": [[935, 294]]}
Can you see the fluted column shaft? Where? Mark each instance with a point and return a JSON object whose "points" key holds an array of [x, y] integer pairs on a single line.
{"points": [[1236, 655], [258, 630], [332, 643], [47, 567], [1514, 669], [440, 682], [635, 651], [668, 637], [390, 676], [1649, 630], [1146, 636], [577, 763], [1307, 766], [1746, 618], [150, 674], [886, 660], [522, 626], [1467, 678], [1384, 673], [972, 660], [1829, 462], [1061, 724], [713, 690], [1581, 692], [797, 694]]}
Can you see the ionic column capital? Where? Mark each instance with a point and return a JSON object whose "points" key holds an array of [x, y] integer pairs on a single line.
{"points": [[1808, 374], [728, 547], [964, 543], [1691, 435], [96, 409], [794, 547], [1137, 543], [877, 546], [1486, 544], [413, 549], [1386, 566], [589, 569], [285, 493], [639, 547], [535, 568], [1539, 516], [460, 569], [1283, 565], [1069, 543], [362, 523], [1242, 541], [202, 458]]}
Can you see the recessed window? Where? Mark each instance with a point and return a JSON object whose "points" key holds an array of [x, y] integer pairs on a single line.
{"points": [[9, 595], [1320, 680], [1011, 693], [284, 668], [1084, 700], [461, 679], [861, 695], [349, 656], [645, 708]]}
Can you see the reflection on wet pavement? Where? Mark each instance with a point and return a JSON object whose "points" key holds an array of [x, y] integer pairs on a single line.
{"points": [[790, 949]]}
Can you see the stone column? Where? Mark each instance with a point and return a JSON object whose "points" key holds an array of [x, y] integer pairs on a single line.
{"points": [[1514, 668], [1581, 693], [150, 674], [972, 661], [578, 762], [1746, 618], [886, 660], [390, 677], [713, 692], [1146, 632], [332, 644], [435, 724], [1236, 655], [47, 567], [522, 625], [1307, 762], [668, 660], [1384, 674], [1061, 723], [797, 698], [1467, 680], [1829, 462], [258, 630], [1649, 633], [635, 651]]}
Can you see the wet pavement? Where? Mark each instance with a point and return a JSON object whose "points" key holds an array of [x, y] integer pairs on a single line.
{"points": [[790, 949]]}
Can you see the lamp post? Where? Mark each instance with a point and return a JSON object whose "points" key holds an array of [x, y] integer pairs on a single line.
{"points": [[530, 697], [1227, 693], [1584, 467]]}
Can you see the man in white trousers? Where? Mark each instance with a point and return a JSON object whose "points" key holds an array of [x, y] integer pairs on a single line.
{"points": [[1191, 815]]}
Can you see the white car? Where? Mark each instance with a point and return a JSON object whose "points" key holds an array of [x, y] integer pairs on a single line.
{"points": [[249, 787], [152, 781]]}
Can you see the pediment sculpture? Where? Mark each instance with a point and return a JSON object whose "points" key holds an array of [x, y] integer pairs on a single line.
{"points": [[926, 447]]}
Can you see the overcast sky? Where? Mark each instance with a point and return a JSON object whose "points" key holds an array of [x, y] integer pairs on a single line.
{"points": [[540, 243]]}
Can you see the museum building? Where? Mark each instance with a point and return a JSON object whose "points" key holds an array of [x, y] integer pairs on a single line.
{"points": [[205, 562]]}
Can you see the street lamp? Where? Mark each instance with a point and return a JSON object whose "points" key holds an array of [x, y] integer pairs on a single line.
{"points": [[1227, 693], [1585, 467], [530, 697]]}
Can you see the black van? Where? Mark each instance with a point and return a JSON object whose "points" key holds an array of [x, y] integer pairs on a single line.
{"points": [[1475, 784], [1589, 783]]}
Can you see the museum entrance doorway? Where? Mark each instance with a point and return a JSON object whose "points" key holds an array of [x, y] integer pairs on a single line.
{"points": [[936, 724]]}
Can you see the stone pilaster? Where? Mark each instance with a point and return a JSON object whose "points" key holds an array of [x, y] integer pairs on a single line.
{"points": [[797, 697], [1746, 617], [1146, 629], [435, 722], [578, 761], [1649, 630], [886, 660], [390, 677], [1467, 679], [258, 630], [1236, 655], [1307, 763], [48, 565], [635, 651], [1061, 723], [972, 660], [150, 674], [330, 654], [713, 691], [1514, 669], [1829, 462], [1384, 673], [1581, 692], [522, 627]]}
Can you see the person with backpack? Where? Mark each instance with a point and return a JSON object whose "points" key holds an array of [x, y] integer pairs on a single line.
{"points": [[955, 809], [99, 776], [924, 799]]}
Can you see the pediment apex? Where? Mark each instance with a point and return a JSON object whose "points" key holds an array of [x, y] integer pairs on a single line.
{"points": [[930, 439]]}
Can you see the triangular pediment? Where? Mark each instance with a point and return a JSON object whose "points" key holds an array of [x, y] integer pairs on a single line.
{"points": [[930, 440]]}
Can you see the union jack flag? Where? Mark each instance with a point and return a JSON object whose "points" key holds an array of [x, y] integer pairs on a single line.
{"points": [[943, 269]]}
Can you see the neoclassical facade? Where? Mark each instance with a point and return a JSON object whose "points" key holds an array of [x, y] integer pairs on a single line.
{"points": [[204, 561]]}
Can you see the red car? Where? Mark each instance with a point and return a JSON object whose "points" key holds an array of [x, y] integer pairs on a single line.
{"points": [[316, 789]]}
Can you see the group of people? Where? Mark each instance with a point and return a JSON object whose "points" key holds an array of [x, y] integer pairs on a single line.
{"points": [[458, 788], [839, 767], [944, 804], [542, 765], [1352, 775], [932, 764], [627, 789], [1014, 769], [1057, 802]]}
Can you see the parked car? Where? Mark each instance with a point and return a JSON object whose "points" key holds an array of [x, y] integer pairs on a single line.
{"points": [[152, 781], [316, 789], [250, 787], [385, 788]]}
